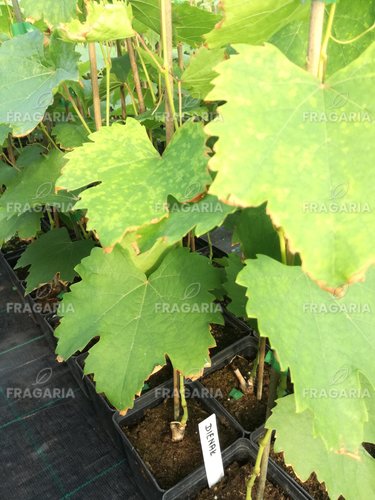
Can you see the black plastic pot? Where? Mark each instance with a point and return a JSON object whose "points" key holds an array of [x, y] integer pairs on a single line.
{"points": [[241, 451], [103, 409], [302, 494], [7, 262], [246, 347], [143, 476], [75, 364]]}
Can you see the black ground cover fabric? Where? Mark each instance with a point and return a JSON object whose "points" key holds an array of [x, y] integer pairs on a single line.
{"points": [[52, 445]]}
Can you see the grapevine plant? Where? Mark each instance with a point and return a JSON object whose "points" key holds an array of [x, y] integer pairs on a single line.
{"points": [[129, 128]]}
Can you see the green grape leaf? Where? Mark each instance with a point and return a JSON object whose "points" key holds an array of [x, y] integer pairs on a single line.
{"points": [[282, 140], [135, 180], [202, 216], [146, 261], [51, 11], [104, 22], [25, 226], [351, 20], [237, 293], [352, 476], [254, 22], [199, 74], [27, 90], [51, 254], [147, 12], [118, 76], [253, 229], [121, 67], [315, 334], [4, 131], [7, 173], [33, 185], [5, 23], [191, 23], [139, 319], [70, 135]]}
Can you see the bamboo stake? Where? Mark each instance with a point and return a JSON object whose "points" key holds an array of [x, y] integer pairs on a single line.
{"points": [[316, 36], [137, 81], [95, 86]]}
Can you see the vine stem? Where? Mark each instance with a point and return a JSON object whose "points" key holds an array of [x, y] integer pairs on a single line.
{"points": [[210, 248], [166, 29], [180, 51], [353, 40], [137, 81], [108, 65], [75, 107], [122, 87], [256, 470], [281, 235], [95, 85], [17, 11], [262, 353], [45, 132], [185, 414], [148, 79], [10, 150], [315, 36], [176, 396], [323, 53]]}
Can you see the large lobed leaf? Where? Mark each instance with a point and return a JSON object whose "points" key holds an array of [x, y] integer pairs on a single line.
{"points": [[27, 89], [189, 22], [51, 254], [139, 319], [325, 340], [104, 22], [135, 181], [253, 21], [353, 477], [52, 11], [281, 139], [32, 185], [25, 226], [200, 72]]}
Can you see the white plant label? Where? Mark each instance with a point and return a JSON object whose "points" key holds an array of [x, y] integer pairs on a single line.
{"points": [[210, 443]]}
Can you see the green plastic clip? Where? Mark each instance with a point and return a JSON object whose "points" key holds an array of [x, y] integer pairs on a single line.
{"points": [[235, 394], [271, 360]]}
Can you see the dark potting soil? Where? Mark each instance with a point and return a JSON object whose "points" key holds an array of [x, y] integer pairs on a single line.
{"points": [[316, 489], [233, 486], [248, 411], [170, 462], [370, 448], [160, 376], [225, 335]]}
